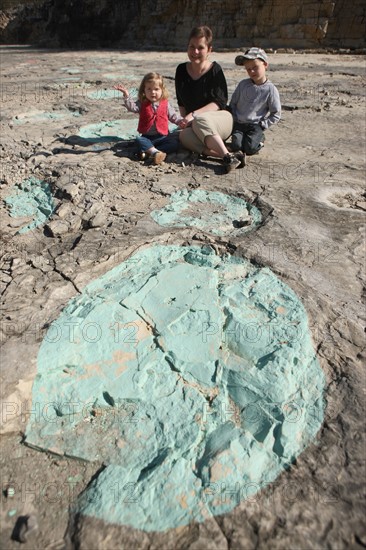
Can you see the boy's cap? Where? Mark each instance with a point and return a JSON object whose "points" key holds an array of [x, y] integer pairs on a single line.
{"points": [[253, 53]]}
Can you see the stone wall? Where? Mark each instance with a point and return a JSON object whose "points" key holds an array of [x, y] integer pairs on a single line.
{"points": [[166, 23], [269, 23]]}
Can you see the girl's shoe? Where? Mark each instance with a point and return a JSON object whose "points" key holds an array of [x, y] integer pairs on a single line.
{"points": [[159, 157], [140, 155]]}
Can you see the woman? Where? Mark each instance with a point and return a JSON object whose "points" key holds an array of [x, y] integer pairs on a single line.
{"points": [[202, 96]]}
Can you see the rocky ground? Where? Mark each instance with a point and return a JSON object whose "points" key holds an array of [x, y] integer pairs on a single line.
{"points": [[309, 182]]}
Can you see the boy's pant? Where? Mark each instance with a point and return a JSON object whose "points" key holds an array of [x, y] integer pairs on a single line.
{"points": [[247, 138], [167, 144]]}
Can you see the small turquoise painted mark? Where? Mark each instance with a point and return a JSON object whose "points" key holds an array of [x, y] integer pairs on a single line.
{"points": [[214, 212], [70, 70], [113, 130], [107, 93], [120, 77], [31, 198], [103, 94], [42, 116]]}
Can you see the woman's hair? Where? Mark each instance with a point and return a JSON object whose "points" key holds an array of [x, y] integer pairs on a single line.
{"points": [[154, 77], [202, 32]]}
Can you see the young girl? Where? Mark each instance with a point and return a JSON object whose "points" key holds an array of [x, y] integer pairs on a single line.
{"points": [[154, 114]]}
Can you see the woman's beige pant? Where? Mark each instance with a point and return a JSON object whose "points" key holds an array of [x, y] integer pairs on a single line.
{"points": [[206, 124]]}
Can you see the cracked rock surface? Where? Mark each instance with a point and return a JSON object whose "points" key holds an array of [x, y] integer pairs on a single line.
{"points": [[308, 182], [224, 408]]}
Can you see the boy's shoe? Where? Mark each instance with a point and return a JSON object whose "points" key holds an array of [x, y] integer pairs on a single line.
{"points": [[159, 157], [231, 162], [260, 147], [241, 157]]}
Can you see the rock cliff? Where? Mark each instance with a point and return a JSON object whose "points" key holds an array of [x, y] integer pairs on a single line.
{"points": [[166, 23]]}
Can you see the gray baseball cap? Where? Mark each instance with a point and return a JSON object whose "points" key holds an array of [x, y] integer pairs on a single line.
{"points": [[252, 53]]}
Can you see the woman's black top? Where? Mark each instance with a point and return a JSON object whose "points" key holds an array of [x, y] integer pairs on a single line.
{"points": [[194, 94]]}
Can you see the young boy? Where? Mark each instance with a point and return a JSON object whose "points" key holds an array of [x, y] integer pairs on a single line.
{"points": [[255, 103]]}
